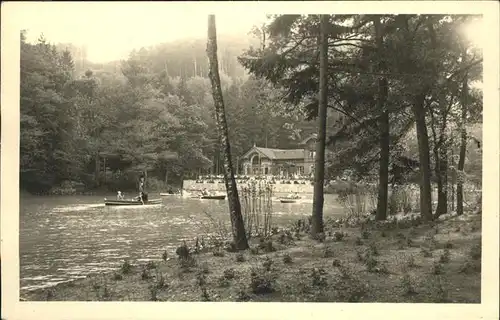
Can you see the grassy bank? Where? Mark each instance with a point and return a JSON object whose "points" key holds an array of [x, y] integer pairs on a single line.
{"points": [[368, 262]]}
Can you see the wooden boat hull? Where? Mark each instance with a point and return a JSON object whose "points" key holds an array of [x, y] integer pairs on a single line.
{"points": [[289, 200], [169, 194], [219, 197], [131, 202]]}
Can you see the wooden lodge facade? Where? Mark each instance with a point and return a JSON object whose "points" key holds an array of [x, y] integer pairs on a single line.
{"points": [[281, 162]]}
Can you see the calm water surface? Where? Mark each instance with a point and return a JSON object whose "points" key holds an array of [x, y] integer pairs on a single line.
{"points": [[64, 238]]}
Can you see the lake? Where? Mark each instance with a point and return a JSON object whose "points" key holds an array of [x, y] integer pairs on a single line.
{"points": [[68, 237]]}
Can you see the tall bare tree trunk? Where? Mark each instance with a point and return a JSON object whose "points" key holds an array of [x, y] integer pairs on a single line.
{"points": [[463, 146], [384, 129], [319, 173], [238, 227], [97, 169], [424, 158]]}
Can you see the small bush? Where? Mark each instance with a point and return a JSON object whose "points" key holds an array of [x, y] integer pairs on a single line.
{"points": [[338, 236], [328, 253], [358, 241], [437, 268], [187, 263], [117, 276], [475, 252], [371, 263], [267, 264], [160, 281], [448, 245], [204, 294], [318, 277], [145, 275], [439, 292], [469, 267], [445, 257], [365, 234], [373, 249], [229, 274], [223, 282], [218, 252], [204, 268], [336, 263], [126, 267], [150, 265], [242, 295], [261, 282], [410, 263], [407, 285], [287, 259], [348, 287], [183, 251], [240, 257]]}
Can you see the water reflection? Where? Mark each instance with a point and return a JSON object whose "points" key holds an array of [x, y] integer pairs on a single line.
{"points": [[63, 238]]}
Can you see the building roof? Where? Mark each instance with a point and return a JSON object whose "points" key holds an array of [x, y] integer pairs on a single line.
{"points": [[278, 154]]}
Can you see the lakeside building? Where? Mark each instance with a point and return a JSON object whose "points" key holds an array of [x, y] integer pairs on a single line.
{"points": [[281, 162]]}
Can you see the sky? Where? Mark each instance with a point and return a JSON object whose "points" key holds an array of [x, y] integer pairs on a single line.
{"points": [[111, 31]]}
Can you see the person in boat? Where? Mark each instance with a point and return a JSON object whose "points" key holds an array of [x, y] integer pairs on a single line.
{"points": [[204, 192], [143, 196], [119, 196]]}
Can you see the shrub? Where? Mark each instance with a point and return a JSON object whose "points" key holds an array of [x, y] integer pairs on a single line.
{"points": [[365, 234], [348, 287], [145, 275], [223, 282], [261, 282], [336, 263], [204, 294], [445, 257], [448, 245], [287, 259], [267, 264], [373, 249], [117, 276], [469, 267], [338, 236], [437, 268], [218, 252], [475, 252], [328, 253], [240, 257], [160, 281], [407, 285], [371, 263], [229, 274], [318, 277], [150, 265], [126, 267], [358, 241], [242, 295], [410, 263]]}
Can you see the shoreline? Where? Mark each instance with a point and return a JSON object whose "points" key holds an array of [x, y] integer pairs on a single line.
{"points": [[375, 263]]}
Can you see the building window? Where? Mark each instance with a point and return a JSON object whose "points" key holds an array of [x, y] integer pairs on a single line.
{"points": [[266, 170]]}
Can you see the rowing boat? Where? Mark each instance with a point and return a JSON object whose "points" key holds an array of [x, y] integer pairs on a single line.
{"points": [[214, 197], [289, 200], [131, 202]]}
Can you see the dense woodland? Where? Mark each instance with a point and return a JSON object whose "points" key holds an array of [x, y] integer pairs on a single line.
{"points": [[401, 104]]}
